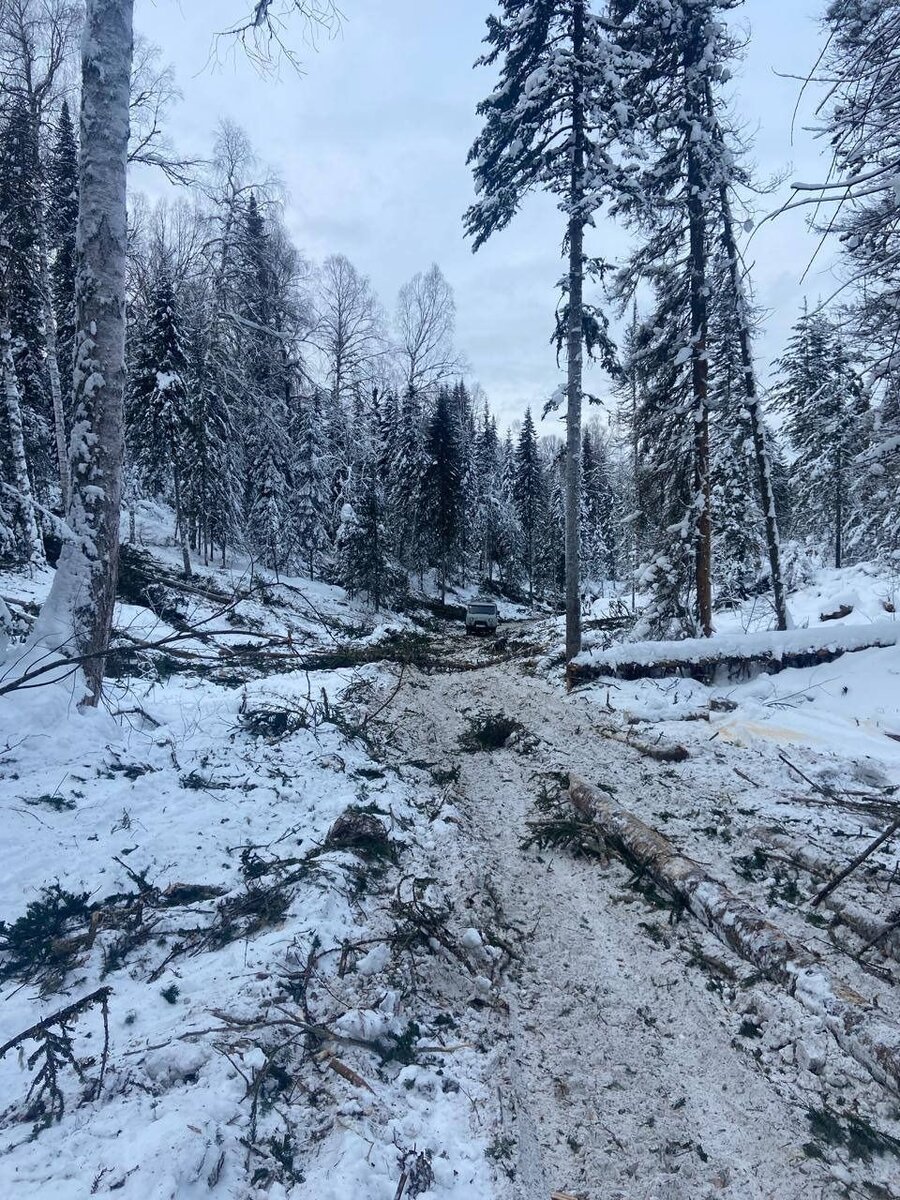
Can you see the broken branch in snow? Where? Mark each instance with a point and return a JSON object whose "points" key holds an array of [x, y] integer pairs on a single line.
{"points": [[55, 1051], [806, 779], [63, 1016], [340, 1068], [857, 861]]}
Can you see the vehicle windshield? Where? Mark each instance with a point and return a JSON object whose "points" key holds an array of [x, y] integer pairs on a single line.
{"points": [[483, 610]]}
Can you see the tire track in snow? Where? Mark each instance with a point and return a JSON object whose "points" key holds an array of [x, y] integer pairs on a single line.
{"points": [[619, 1073]]}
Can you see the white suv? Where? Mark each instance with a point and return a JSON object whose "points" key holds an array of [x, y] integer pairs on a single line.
{"points": [[482, 615]]}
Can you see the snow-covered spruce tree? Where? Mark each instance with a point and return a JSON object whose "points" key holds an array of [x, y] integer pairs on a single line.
{"points": [[689, 163], [550, 565], [311, 495], [19, 203], [629, 390], [78, 612], [463, 415], [158, 403], [860, 72], [550, 123], [211, 487], [489, 499], [510, 542], [62, 221], [264, 266], [738, 326], [20, 537], [739, 544], [677, 48], [660, 450], [664, 450], [824, 402], [528, 497], [591, 555], [341, 440], [599, 516], [363, 564], [19, 320], [218, 362], [404, 508], [36, 38], [441, 499], [877, 491], [385, 438]]}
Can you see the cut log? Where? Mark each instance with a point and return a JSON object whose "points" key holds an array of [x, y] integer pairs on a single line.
{"points": [[856, 1024], [669, 752]]}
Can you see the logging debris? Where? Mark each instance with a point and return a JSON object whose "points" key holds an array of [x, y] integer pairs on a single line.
{"points": [[856, 1025]]}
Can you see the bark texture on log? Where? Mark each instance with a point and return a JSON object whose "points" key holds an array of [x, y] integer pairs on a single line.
{"points": [[855, 1024], [661, 751]]}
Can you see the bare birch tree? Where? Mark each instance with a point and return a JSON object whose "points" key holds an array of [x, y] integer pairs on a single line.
{"points": [[425, 322], [349, 329], [79, 610]]}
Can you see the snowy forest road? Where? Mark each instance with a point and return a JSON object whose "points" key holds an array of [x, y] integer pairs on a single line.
{"points": [[625, 1069]]}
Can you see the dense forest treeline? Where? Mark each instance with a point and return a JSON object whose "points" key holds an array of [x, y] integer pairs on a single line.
{"points": [[282, 413]]}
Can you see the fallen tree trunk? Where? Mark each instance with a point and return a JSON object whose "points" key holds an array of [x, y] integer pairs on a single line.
{"points": [[856, 1025], [729, 657]]}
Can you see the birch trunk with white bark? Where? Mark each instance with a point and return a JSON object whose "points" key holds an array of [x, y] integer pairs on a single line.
{"points": [[78, 612]]}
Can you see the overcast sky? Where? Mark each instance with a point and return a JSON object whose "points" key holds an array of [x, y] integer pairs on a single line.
{"points": [[371, 144]]}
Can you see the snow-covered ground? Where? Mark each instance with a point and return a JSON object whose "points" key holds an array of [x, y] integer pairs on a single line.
{"points": [[848, 707], [290, 1012], [406, 1003], [641, 1058]]}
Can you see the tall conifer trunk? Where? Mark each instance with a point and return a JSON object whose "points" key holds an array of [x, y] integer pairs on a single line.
{"points": [[839, 510], [51, 343], [79, 610], [757, 424], [575, 343], [751, 400], [699, 337]]}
